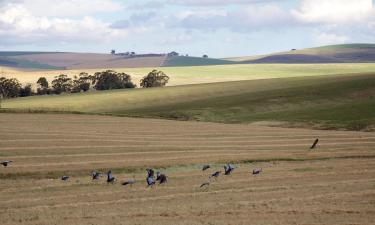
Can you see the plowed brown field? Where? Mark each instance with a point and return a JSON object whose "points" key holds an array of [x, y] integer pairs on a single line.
{"points": [[334, 184]]}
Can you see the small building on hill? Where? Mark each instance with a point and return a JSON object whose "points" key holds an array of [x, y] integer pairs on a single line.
{"points": [[173, 53]]}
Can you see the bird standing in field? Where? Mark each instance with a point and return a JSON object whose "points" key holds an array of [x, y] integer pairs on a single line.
{"points": [[205, 167], [6, 163], [257, 171], [150, 173], [216, 174], [150, 178], [314, 144], [150, 181], [65, 178], [110, 177], [162, 178], [228, 169], [95, 175]]}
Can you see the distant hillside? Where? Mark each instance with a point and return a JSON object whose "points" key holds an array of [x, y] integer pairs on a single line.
{"points": [[194, 61], [26, 64], [66, 60], [348, 53], [89, 60]]}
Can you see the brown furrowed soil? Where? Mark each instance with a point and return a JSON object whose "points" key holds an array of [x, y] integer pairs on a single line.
{"points": [[334, 184]]}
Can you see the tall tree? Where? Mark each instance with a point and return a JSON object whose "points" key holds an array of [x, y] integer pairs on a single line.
{"points": [[110, 79], [82, 82], [154, 79], [9, 88], [26, 91], [42, 82], [62, 83], [43, 85]]}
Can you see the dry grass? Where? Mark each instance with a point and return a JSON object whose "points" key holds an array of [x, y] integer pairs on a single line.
{"points": [[207, 74], [335, 188]]}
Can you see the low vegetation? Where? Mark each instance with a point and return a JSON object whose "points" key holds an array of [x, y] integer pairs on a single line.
{"points": [[154, 79]]}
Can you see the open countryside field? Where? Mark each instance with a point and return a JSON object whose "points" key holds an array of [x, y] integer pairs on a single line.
{"points": [[334, 184], [207, 74], [324, 102]]}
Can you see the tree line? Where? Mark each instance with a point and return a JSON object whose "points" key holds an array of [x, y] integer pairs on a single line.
{"points": [[106, 80]]}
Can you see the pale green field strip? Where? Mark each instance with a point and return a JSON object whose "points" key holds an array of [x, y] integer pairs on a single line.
{"points": [[210, 74]]}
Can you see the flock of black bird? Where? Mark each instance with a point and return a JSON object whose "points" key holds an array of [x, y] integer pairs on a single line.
{"points": [[160, 177]]}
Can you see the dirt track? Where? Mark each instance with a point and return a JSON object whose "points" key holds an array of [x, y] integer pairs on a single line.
{"points": [[334, 184]]}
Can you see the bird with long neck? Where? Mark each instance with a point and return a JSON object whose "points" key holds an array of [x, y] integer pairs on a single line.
{"points": [[110, 177]]}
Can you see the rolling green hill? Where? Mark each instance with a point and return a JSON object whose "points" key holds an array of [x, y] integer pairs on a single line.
{"points": [[26, 64], [335, 101], [349, 53], [194, 61], [353, 53]]}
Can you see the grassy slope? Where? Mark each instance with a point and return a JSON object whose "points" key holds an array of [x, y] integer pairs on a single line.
{"points": [[25, 64], [327, 101], [345, 52], [193, 61], [6, 58]]}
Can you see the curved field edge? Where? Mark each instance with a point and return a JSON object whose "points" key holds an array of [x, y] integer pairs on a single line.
{"points": [[324, 102]]}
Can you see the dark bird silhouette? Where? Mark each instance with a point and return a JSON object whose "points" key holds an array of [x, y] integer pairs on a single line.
{"points": [[205, 184], [314, 144], [110, 177], [216, 174], [150, 181], [150, 173], [6, 163], [257, 171], [161, 178], [129, 182], [206, 167], [228, 169], [65, 178], [95, 175]]}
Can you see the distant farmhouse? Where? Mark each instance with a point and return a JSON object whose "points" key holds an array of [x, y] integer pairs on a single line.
{"points": [[173, 54]]}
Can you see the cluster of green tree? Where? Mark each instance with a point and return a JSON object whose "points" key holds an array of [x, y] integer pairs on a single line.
{"points": [[106, 80]]}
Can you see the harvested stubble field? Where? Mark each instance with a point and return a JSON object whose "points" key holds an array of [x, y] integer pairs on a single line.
{"points": [[334, 184]]}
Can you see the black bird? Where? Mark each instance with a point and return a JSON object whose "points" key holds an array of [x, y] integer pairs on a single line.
{"points": [[150, 173], [257, 171], [314, 144], [129, 182], [110, 178], [205, 184], [216, 174], [6, 163], [65, 178], [206, 167], [228, 169], [150, 181], [161, 178], [95, 175]]}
